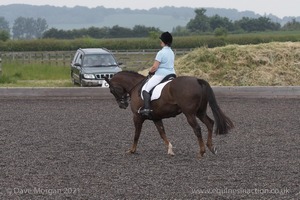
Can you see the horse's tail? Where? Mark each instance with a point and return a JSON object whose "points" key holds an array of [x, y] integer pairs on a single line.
{"points": [[223, 123]]}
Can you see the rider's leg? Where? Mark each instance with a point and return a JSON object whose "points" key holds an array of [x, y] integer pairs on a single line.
{"points": [[146, 110], [153, 81]]}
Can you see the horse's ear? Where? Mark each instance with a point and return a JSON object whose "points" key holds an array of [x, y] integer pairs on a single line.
{"points": [[107, 80]]}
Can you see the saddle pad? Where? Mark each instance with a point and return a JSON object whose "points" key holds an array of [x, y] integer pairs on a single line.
{"points": [[157, 90]]}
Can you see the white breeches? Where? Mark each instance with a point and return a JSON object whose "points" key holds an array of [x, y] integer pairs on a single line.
{"points": [[153, 81]]}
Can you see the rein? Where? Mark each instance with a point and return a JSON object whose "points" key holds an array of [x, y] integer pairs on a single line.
{"points": [[140, 82], [125, 97]]}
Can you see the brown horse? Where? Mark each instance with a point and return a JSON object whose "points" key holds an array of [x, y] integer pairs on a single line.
{"points": [[187, 95]]}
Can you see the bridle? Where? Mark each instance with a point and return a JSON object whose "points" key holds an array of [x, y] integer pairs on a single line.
{"points": [[123, 99]]}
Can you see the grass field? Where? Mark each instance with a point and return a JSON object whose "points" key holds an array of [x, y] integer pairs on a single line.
{"points": [[25, 73], [16, 74]]}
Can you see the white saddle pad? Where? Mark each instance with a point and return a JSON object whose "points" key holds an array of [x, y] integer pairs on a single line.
{"points": [[157, 90]]}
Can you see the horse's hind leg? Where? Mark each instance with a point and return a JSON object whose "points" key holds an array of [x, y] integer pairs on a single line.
{"points": [[160, 127], [197, 130], [209, 124]]}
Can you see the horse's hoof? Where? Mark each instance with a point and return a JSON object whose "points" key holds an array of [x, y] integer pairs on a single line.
{"points": [[130, 151], [201, 155], [170, 149], [214, 150]]}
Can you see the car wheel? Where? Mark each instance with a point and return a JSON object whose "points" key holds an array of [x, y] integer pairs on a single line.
{"points": [[82, 84]]}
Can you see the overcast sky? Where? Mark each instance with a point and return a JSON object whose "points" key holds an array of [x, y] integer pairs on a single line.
{"points": [[279, 8]]}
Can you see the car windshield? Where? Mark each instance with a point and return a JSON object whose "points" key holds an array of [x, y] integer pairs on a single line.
{"points": [[99, 60]]}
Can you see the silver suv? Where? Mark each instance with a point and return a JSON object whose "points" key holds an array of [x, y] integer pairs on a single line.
{"points": [[90, 66]]}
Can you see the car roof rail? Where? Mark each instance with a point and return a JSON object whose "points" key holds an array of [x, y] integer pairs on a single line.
{"points": [[106, 49]]}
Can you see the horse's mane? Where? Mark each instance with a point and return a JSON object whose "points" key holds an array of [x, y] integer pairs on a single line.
{"points": [[131, 73]]}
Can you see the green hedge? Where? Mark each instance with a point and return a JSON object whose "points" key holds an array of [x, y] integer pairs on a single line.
{"points": [[147, 43]]}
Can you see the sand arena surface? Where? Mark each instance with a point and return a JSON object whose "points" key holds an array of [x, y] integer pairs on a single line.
{"points": [[74, 148]]}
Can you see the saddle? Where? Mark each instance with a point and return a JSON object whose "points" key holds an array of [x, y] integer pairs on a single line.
{"points": [[155, 92]]}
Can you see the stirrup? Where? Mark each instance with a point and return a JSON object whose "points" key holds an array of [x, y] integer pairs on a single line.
{"points": [[144, 111]]}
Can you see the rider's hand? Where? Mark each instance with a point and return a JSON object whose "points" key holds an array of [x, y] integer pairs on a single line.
{"points": [[151, 73]]}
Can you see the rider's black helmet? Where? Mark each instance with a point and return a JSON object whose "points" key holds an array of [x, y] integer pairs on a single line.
{"points": [[167, 38]]}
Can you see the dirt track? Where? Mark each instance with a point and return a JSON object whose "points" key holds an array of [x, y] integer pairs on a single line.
{"points": [[75, 149]]}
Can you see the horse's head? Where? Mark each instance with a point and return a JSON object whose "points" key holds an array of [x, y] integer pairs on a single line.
{"points": [[119, 92]]}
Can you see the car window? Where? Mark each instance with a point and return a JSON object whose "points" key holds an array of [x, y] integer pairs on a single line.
{"points": [[79, 58], [107, 59], [99, 60], [90, 60], [75, 57]]}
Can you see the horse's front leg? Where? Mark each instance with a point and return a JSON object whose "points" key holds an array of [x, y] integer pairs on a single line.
{"points": [[138, 122], [160, 127]]}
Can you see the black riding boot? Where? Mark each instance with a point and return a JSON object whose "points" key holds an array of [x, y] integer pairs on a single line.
{"points": [[146, 110]]}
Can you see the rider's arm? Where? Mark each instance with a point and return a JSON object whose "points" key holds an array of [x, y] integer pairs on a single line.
{"points": [[154, 66]]}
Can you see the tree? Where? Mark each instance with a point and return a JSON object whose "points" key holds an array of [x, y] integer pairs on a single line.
{"points": [[4, 35], [4, 29], [220, 32], [180, 31], [40, 27], [292, 26], [143, 31], [217, 21], [4, 25], [118, 32], [265, 24], [29, 28], [259, 24], [104, 32], [200, 22], [51, 33], [92, 32], [22, 28]]}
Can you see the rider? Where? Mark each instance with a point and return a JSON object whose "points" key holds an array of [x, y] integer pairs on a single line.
{"points": [[162, 66]]}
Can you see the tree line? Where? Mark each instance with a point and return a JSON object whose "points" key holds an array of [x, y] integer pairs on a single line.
{"points": [[222, 25], [23, 28], [30, 28], [104, 32]]}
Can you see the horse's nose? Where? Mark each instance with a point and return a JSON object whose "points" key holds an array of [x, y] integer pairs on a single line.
{"points": [[123, 106]]}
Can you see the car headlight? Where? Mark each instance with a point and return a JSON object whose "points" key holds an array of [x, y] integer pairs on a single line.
{"points": [[89, 76]]}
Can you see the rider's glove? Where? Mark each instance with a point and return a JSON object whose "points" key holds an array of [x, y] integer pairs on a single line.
{"points": [[151, 73]]}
